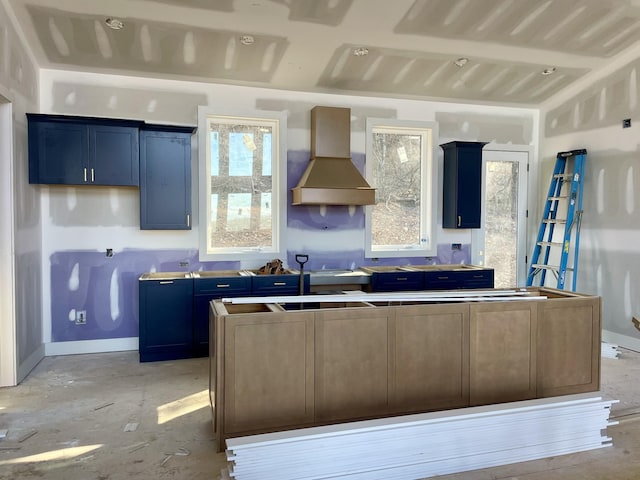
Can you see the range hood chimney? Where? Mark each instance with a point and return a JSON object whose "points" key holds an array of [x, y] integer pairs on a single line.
{"points": [[331, 177]]}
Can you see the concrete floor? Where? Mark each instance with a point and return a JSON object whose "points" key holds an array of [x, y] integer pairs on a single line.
{"points": [[68, 420]]}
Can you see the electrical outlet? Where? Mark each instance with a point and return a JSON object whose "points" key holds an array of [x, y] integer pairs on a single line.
{"points": [[456, 246], [626, 123], [81, 317]]}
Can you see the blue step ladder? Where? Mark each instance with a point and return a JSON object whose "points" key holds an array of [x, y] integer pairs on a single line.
{"points": [[556, 249]]}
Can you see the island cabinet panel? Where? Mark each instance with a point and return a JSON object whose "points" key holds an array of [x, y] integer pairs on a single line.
{"points": [[274, 369], [351, 362], [568, 347], [269, 368], [430, 357], [502, 352]]}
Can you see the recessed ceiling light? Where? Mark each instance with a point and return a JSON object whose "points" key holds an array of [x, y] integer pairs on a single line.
{"points": [[247, 40], [548, 71], [461, 62], [114, 23], [360, 51]]}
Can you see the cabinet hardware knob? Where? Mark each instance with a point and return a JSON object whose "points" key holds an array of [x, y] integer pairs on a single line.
{"points": [[459, 220], [166, 282], [401, 278], [93, 176], [279, 284], [85, 174], [188, 220], [223, 285]]}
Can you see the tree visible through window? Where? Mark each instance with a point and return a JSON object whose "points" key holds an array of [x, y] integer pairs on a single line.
{"points": [[399, 164]]}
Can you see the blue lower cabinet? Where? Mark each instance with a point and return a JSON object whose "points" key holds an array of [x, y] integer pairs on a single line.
{"points": [[479, 278], [166, 318], [285, 284], [205, 291], [458, 278], [396, 281], [443, 280]]}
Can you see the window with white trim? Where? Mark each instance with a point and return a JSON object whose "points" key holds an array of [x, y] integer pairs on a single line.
{"points": [[401, 166], [242, 185]]}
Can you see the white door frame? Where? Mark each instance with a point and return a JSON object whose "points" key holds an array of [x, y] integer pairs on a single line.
{"points": [[477, 235], [8, 344]]}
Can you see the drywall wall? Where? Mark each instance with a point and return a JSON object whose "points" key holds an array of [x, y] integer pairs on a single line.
{"points": [[21, 228], [609, 261], [80, 223]]}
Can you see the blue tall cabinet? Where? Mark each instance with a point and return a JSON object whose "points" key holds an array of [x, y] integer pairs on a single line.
{"points": [[165, 177], [462, 184]]}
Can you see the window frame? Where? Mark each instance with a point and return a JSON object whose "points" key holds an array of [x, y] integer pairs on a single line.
{"points": [[279, 184], [429, 191]]}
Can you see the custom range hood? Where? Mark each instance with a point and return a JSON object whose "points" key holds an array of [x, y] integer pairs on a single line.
{"points": [[331, 177]]}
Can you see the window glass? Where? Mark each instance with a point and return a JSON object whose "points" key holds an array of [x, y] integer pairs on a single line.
{"points": [[243, 201], [401, 168]]}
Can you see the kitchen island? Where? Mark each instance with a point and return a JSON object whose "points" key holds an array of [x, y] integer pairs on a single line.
{"points": [[281, 366]]}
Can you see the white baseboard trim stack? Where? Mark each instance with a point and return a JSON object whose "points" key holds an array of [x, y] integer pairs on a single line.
{"points": [[425, 445]]}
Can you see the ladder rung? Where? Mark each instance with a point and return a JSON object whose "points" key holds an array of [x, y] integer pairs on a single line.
{"points": [[554, 220], [560, 197], [549, 267], [549, 244], [564, 176]]}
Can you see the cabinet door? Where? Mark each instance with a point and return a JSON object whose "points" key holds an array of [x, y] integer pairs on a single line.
{"points": [[113, 155], [502, 352], [57, 153], [165, 180], [352, 356], [268, 368], [568, 346], [430, 357], [165, 319], [462, 189]]}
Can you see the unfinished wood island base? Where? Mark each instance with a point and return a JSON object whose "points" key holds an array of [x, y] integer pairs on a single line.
{"points": [[273, 369]]}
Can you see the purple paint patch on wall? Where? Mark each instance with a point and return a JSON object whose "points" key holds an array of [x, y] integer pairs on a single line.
{"points": [[106, 288]]}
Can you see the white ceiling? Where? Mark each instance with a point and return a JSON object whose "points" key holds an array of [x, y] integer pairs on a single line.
{"points": [[308, 45]]}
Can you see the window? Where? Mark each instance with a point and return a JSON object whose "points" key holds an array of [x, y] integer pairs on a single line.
{"points": [[242, 201], [401, 167]]}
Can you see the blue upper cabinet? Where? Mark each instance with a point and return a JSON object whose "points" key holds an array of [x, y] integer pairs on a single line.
{"points": [[165, 177], [462, 184], [72, 150]]}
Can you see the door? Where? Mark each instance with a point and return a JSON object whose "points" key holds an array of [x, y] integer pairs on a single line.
{"points": [[500, 243]]}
